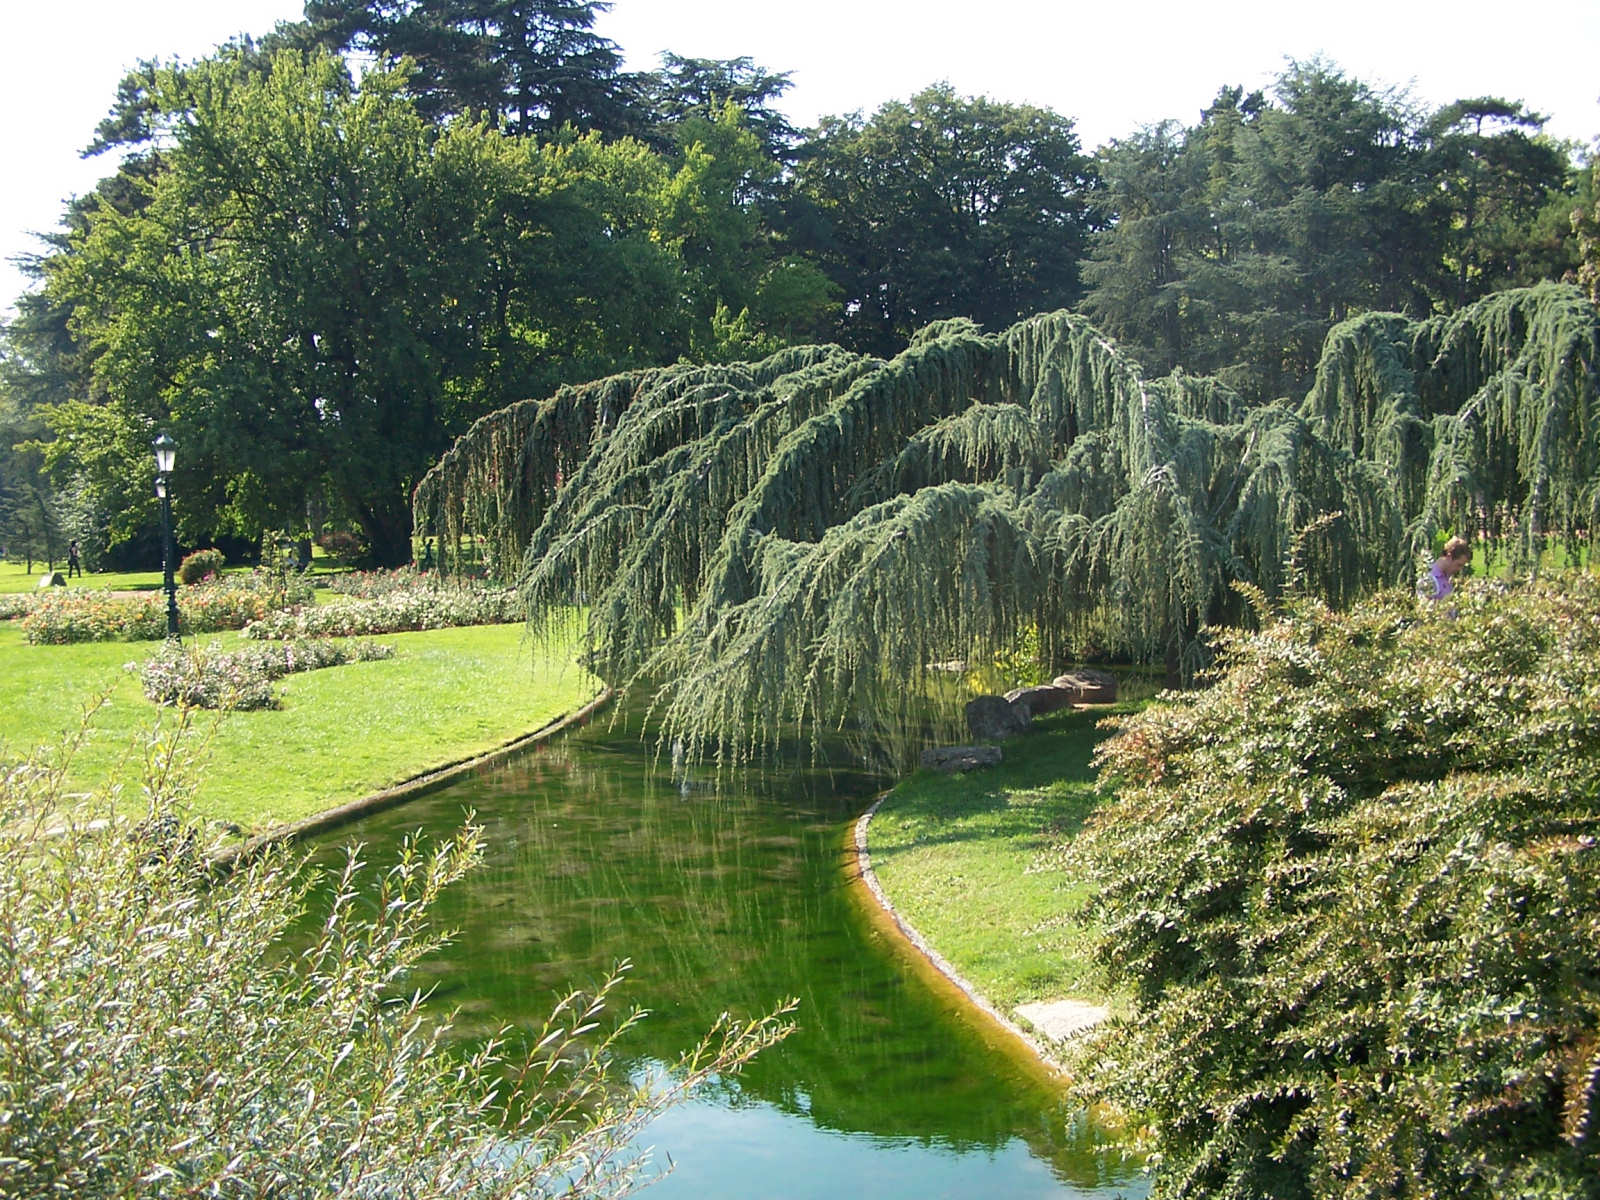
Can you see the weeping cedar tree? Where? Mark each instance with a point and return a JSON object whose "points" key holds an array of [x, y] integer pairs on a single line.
{"points": [[804, 537], [1353, 888]]}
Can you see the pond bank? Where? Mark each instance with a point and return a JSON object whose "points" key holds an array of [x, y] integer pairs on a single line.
{"points": [[409, 789], [447, 696], [963, 866], [941, 973]]}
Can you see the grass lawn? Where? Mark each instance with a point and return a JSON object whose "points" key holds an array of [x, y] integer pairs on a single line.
{"points": [[957, 855], [14, 577], [342, 732]]}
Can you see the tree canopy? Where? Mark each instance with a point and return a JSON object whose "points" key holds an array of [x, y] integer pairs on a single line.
{"points": [[317, 289], [529, 66], [317, 279], [943, 206], [806, 537], [1239, 242]]}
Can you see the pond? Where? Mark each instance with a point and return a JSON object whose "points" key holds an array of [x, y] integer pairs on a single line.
{"points": [[734, 898]]}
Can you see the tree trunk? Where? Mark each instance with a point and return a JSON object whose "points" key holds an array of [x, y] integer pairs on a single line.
{"points": [[388, 533]]}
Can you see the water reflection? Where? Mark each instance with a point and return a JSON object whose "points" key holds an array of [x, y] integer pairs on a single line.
{"points": [[734, 899]]}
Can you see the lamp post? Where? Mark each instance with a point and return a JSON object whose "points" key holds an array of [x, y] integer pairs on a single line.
{"points": [[166, 453]]}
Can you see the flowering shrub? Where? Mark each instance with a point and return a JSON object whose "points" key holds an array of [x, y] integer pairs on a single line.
{"points": [[206, 677], [59, 618], [1354, 888], [203, 677], [200, 565], [15, 604], [394, 613], [371, 585]]}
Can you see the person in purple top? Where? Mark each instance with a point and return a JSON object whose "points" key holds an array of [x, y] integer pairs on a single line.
{"points": [[1440, 580]]}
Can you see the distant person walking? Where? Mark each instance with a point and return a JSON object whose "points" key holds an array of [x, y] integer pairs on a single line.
{"points": [[1440, 580], [73, 567]]}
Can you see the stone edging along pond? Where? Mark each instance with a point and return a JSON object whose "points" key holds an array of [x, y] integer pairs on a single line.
{"points": [[936, 961], [408, 789]]}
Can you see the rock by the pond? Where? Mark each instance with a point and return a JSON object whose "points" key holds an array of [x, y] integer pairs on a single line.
{"points": [[960, 758], [991, 717], [1041, 698], [1088, 685], [1061, 1019], [52, 579]]}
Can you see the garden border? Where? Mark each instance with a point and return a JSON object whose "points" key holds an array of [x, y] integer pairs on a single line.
{"points": [[938, 964], [407, 789]]}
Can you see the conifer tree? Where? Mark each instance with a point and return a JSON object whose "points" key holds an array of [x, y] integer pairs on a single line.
{"points": [[802, 537]]}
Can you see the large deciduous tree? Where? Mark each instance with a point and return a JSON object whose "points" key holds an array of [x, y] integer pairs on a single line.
{"points": [[318, 289], [944, 206]]}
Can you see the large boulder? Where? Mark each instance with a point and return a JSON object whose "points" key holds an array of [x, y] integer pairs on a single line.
{"points": [[1041, 698], [1088, 686], [993, 717], [960, 758], [52, 579]]}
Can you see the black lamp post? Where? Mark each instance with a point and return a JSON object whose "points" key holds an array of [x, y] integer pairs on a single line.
{"points": [[166, 452]]}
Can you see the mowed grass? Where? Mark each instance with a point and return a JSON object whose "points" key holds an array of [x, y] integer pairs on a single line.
{"points": [[342, 732], [14, 577], [959, 857]]}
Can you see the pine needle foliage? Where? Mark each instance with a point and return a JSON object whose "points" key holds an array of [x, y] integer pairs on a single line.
{"points": [[1353, 887], [799, 538]]}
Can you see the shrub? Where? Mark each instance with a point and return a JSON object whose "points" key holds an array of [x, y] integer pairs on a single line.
{"points": [[199, 676], [168, 1033], [15, 604], [202, 564], [340, 544], [396, 612], [1355, 888]]}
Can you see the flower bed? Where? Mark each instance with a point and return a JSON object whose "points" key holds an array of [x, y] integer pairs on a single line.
{"points": [[373, 585], [229, 602], [207, 677], [16, 604], [398, 612]]}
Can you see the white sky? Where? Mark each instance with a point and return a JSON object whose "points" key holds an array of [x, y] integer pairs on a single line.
{"points": [[1111, 67]]}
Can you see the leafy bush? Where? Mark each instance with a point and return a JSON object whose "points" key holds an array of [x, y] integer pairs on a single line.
{"points": [[200, 676], [340, 544], [1355, 888], [169, 1033], [200, 565], [395, 612]]}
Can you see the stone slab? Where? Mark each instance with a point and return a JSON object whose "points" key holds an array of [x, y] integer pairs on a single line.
{"points": [[1061, 1019]]}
